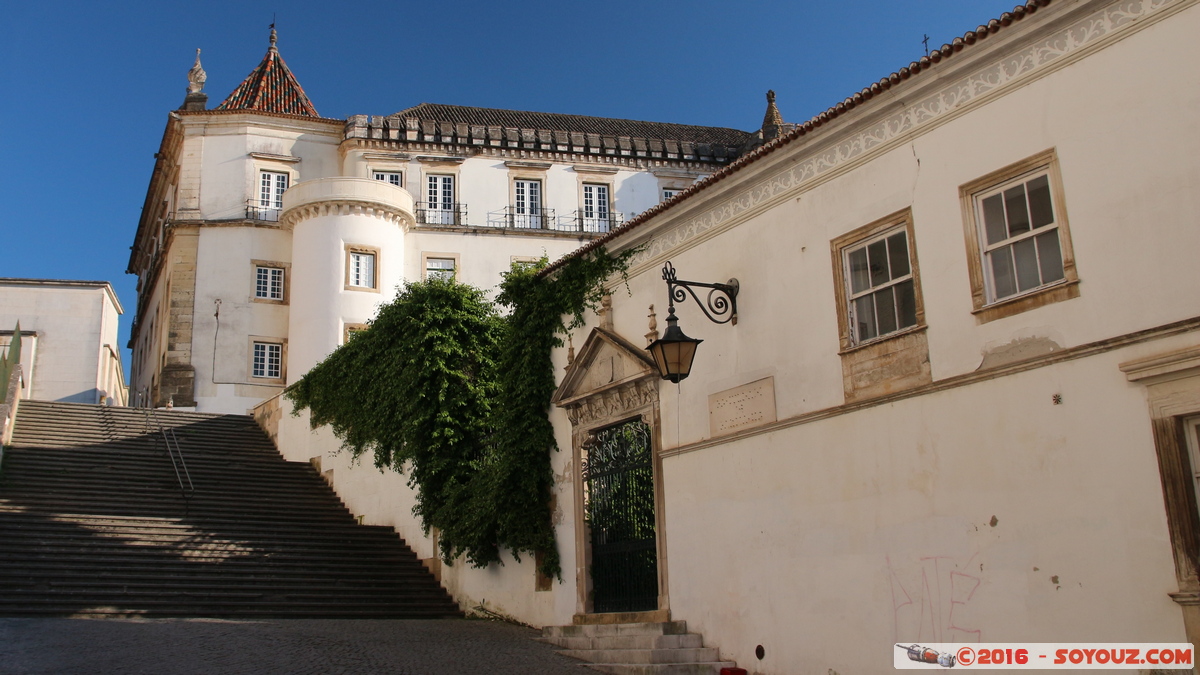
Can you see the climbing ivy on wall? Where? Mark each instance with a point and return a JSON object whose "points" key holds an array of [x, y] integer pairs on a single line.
{"points": [[448, 391]]}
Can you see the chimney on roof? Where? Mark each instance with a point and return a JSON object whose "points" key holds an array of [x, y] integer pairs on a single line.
{"points": [[772, 125], [196, 99]]}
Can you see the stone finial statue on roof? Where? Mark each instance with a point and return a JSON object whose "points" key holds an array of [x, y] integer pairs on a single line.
{"points": [[772, 121], [196, 76], [196, 99]]}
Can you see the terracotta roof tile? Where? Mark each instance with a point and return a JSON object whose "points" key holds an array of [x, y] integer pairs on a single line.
{"points": [[272, 88], [607, 126], [862, 96]]}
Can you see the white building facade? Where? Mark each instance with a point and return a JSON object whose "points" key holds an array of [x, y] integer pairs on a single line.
{"points": [[69, 347], [269, 233], [960, 402]]}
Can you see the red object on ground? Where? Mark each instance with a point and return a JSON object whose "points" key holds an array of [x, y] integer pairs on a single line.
{"points": [[733, 671]]}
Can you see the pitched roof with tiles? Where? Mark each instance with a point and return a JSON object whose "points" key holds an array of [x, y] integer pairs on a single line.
{"points": [[272, 88], [606, 126]]}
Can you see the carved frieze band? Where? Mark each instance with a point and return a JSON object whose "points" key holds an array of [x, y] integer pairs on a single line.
{"points": [[399, 217], [615, 402], [995, 75]]}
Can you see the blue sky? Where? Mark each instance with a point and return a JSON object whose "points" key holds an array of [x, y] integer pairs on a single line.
{"points": [[85, 87]]}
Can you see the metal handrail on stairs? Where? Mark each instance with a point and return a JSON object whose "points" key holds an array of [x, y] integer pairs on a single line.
{"points": [[154, 424]]}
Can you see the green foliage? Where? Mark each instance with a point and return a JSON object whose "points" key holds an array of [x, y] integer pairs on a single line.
{"points": [[444, 388], [415, 389]]}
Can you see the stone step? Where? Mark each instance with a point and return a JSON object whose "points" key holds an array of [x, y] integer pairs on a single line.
{"points": [[601, 629], [713, 668], [92, 523], [683, 655], [685, 641]]}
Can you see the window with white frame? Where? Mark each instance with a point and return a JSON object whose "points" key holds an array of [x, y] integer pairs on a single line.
{"points": [[668, 193], [361, 269], [268, 360], [881, 295], [272, 185], [1019, 236], [268, 282], [439, 268], [527, 203], [393, 177], [595, 208], [1019, 253], [439, 200]]}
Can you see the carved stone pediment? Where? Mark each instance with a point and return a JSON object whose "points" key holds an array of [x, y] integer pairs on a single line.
{"points": [[608, 367]]}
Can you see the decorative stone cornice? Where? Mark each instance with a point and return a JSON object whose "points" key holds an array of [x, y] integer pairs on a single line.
{"points": [[346, 196], [290, 159], [615, 402], [691, 165], [342, 207]]}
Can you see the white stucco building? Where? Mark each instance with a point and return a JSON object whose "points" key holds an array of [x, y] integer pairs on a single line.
{"points": [[269, 232], [961, 399], [69, 348]]}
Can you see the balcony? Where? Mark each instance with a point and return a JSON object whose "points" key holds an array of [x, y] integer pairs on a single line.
{"points": [[439, 214], [522, 218], [256, 211], [592, 224]]}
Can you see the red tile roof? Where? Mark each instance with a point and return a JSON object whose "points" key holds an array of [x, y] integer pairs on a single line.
{"points": [[946, 51], [272, 88]]}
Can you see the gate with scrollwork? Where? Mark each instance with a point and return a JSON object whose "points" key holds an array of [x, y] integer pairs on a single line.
{"points": [[618, 476]]}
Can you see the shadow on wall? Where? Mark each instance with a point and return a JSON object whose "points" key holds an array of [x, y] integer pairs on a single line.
{"points": [[86, 396]]}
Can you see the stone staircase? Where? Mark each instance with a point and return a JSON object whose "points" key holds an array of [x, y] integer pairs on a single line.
{"points": [[93, 522], [665, 648]]}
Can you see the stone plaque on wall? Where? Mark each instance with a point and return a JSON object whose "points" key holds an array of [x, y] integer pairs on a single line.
{"points": [[744, 407]]}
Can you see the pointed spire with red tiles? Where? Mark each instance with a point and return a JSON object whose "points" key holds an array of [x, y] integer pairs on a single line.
{"points": [[271, 88]]}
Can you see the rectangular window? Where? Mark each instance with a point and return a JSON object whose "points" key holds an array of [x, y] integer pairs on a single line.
{"points": [[880, 292], [268, 283], [349, 330], [595, 208], [271, 188], [439, 200], [439, 268], [1021, 249], [362, 269], [1018, 244], [881, 318], [268, 360], [1191, 428], [527, 204], [393, 177], [668, 193]]}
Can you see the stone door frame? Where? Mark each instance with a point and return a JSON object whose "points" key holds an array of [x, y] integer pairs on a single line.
{"points": [[632, 397]]}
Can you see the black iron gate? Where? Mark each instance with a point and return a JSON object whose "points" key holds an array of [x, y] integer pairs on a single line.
{"points": [[619, 479]]}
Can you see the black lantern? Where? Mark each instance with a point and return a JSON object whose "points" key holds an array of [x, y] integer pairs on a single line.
{"points": [[673, 352]]}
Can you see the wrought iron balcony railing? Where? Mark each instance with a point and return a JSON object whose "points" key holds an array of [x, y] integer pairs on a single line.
{"points": [[522, 218], [578, 221], [256, 211], [441, 214]]}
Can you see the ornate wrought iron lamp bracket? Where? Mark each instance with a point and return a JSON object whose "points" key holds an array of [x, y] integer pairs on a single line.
{"points": [[721, 304]]}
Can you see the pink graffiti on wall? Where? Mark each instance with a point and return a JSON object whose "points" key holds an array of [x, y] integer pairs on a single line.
{"points": [[930, 598]]}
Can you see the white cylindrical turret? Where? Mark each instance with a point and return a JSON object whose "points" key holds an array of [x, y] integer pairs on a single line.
{"points": [[347, 259]]}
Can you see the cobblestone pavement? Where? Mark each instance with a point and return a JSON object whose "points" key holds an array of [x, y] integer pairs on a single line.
{"points": [[286, 647]]}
